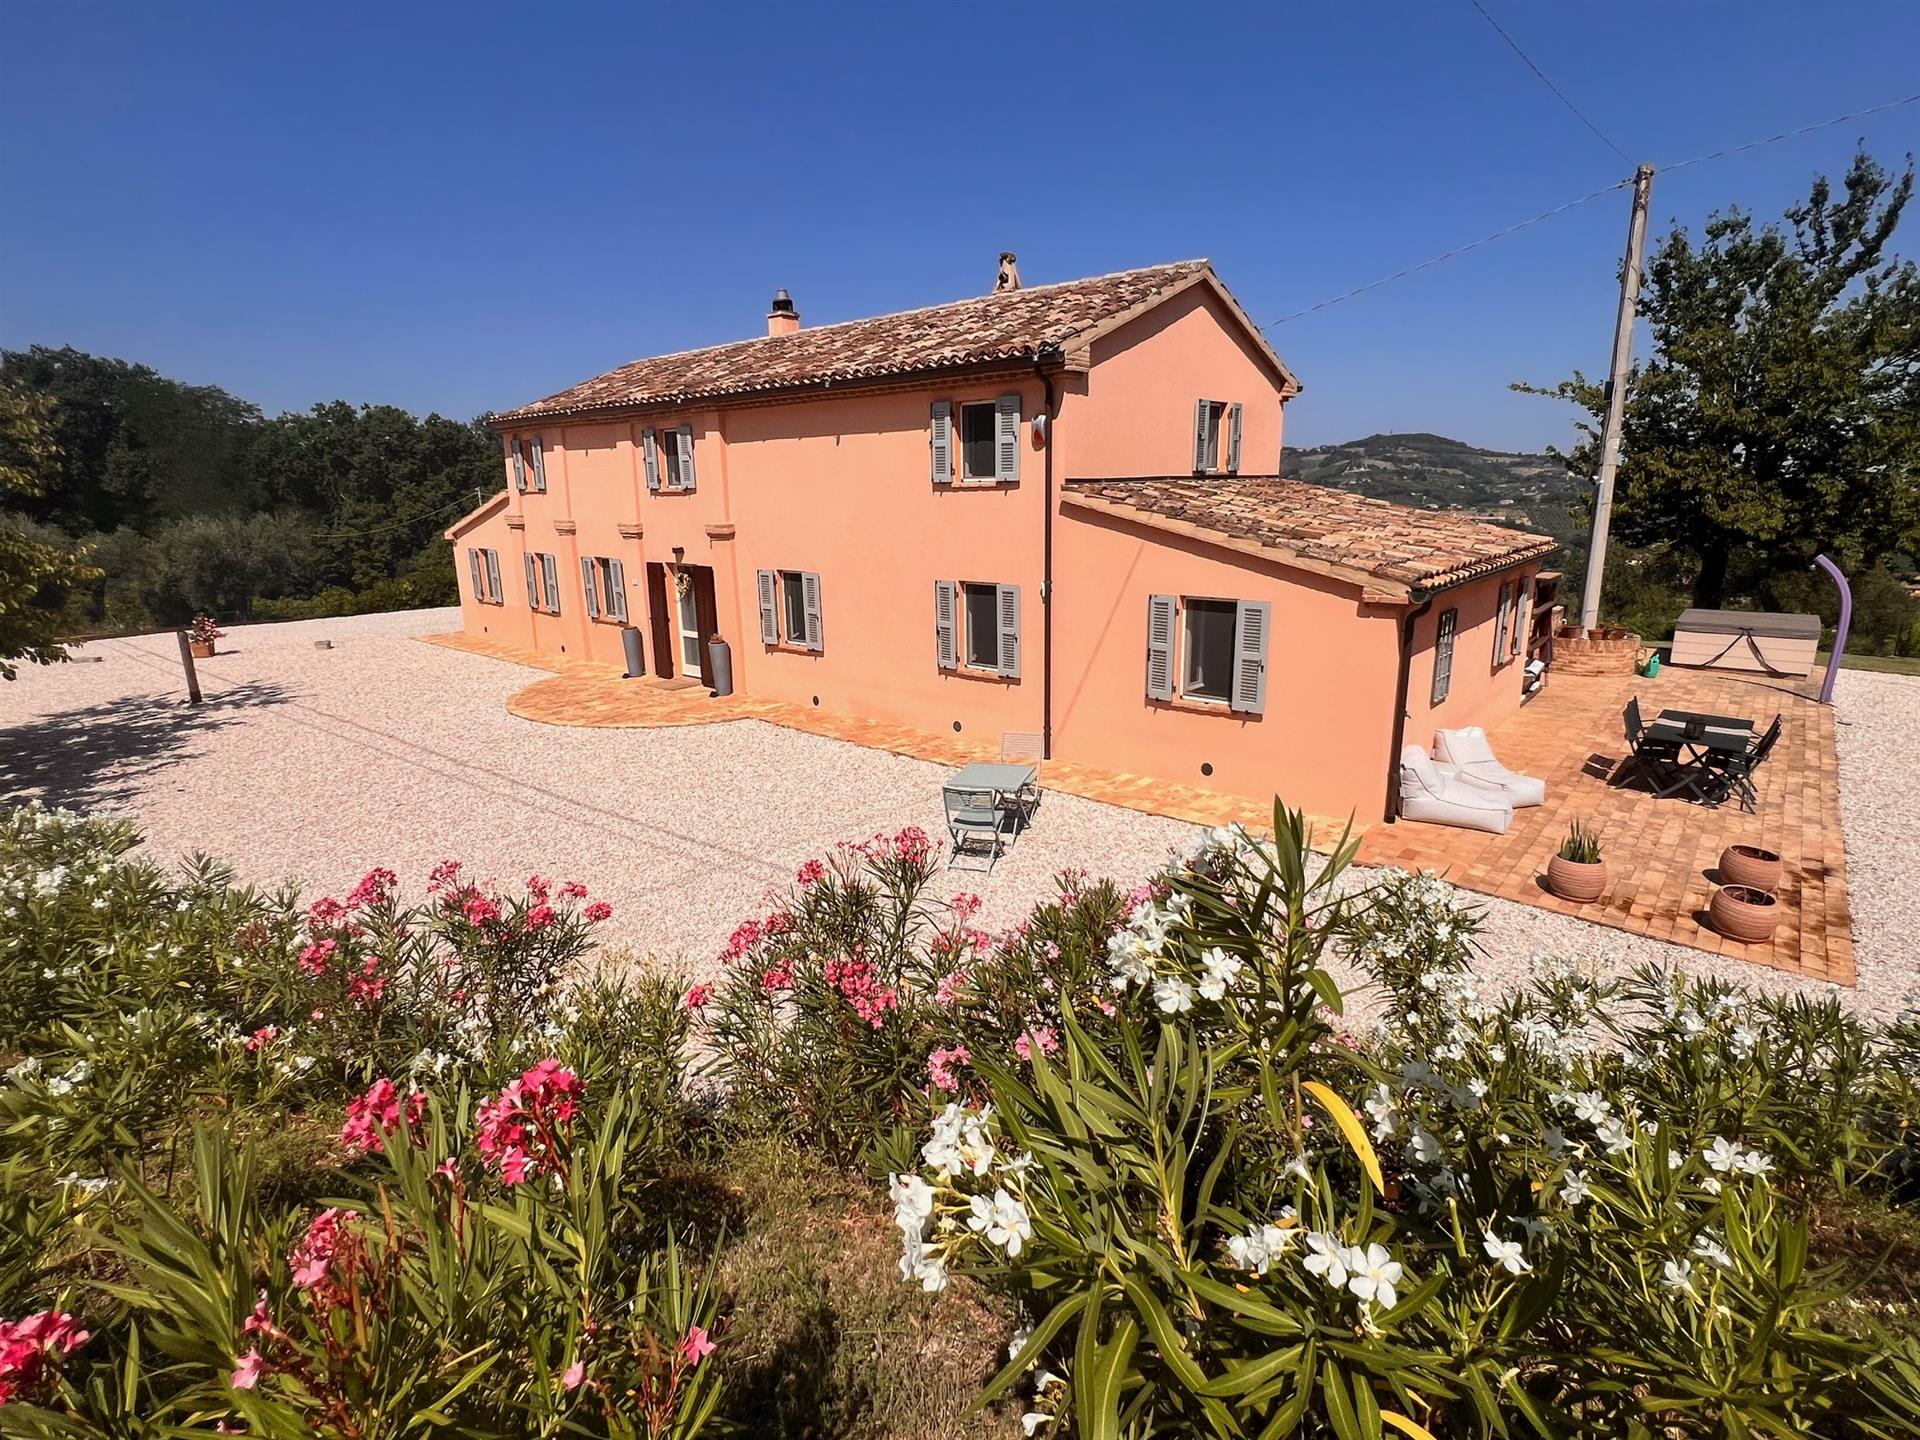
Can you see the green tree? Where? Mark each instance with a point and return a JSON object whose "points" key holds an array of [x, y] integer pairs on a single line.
{"points": [[35, 576], [1778, 414]]}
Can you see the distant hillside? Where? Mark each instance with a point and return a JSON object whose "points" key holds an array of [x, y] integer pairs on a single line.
{"points": [[1531, 492]]}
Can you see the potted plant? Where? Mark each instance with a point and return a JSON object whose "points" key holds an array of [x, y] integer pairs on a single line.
{"points": [[1743, 913], [1578, 872], [201, 634], [1751, 866]]}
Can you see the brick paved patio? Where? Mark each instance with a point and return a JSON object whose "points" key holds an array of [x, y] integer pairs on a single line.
{"points": [[1661, 853]]}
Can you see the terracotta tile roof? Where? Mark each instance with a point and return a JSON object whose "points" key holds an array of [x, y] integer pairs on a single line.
{"points": [[1423, 549], [1013, 325]]}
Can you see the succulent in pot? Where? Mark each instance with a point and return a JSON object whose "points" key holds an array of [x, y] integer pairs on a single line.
{"points": [[1578, 872], [1750, 865], [1744, 914]]}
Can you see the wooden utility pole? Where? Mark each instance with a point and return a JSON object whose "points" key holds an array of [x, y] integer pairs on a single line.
{"points": [[1616, 398], [186, 660]]}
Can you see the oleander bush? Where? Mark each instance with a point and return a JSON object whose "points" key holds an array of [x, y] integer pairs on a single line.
{"points": [[371, 1167]]}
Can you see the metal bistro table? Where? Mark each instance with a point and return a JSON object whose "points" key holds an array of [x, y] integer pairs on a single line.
{"points": [[987, 804], [1700, 740]]}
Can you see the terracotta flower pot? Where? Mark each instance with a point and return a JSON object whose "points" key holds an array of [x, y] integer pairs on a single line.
{"points": [[202, 649], [1742, 913], [1571, 880], [1751, 866]]}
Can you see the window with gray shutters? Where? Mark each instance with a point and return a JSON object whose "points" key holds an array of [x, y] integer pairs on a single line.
{"points": [[1443, 655], [539, 464], [616, 589], [494, 592], [790, 608], [1209, 650], [793, 606], [479, 584], [1216, 437], [519, 465], [979, 441], [981, 606], [550, 572], [1500, 629], [678, 460]]}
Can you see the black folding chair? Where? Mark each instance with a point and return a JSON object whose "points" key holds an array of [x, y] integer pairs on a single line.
{"points": [[1733, 774], [1653, 757]]}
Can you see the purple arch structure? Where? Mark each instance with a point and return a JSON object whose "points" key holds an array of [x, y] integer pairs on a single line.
{"points": [[1840, 631]]}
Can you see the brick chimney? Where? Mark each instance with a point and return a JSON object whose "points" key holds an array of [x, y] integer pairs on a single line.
{"points": [[1009, 278], [782, 319]]}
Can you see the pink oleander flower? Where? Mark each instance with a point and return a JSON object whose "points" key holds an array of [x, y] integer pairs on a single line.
{"points": [[596, 912], [1046, 1036], [247, 1373], [324, 913], [697, 1346], [777, 977], [859, 985], [369, 987], [315, 957], [445, 875], [376, 885], [573, 890], [538, 886], [811, 874], [947, 992], [940, 1066], [31, 1349], [912, 844], [377, 1111], [540, 916], [478, 909], [260, 1322], [698, 996], [310, 1258], [529, 1122], [965, 906], [262, 1038], [575, 1373]]}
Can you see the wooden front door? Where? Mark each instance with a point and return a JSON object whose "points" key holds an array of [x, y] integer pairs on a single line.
{"points": [[706, 612], [660, 616]]}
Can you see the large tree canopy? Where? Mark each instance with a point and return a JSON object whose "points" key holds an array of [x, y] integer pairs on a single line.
{"points": [[35, 574], [1778, 413]]}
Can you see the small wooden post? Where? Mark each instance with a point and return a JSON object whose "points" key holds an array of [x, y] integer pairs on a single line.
{"points": [[186, 660]]}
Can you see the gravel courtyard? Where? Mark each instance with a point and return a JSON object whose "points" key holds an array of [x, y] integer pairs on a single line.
{"points": [[317, 764]]}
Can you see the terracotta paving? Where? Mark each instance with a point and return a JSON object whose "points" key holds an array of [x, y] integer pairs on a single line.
{"points": [[1661, 853]]}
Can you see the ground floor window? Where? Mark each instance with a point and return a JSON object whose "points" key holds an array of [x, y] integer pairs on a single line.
{"points": [[605, 582], [793, 607], [790, 608], [981, 605], [976, 626], [485, 568], [1209, 650]]}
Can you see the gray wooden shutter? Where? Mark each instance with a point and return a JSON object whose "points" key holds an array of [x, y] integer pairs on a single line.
{"points": [[533, 586], [1522, 617], [1233, 438], [1160, 647], [769, 621], [550, 569], [810, 594], [1250, 656], [650, 448], [539, 465], [519, 468], [686, 457], [587, 583], [946, 639], [1009, 612], [940, 441], [1500, 626], [1006, 439], [1200, 417], [617, 591], [479, 585], [494, 592]]}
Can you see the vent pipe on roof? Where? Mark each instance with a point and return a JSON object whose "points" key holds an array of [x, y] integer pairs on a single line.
{"points": [[1009, 272], [782, 319]]}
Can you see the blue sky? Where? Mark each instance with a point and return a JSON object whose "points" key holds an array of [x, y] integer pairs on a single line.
{"points": [[463, 207]]}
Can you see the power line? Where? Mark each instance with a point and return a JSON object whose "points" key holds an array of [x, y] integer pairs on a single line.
{"points": [[1790, 134], [396, 525], [1559, 94], [1458, 251]]}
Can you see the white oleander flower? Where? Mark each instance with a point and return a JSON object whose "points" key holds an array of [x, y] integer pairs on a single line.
{"points": [[1574, 1188], [1592, 1107], [1173, 995], [1722, 1155], [1707, 1247], [1677, 1275], [912, 1201], [1616, 1137], [1375, 1273], [1752, 1162], [1328, 1260], [1003, 1220], [1510, 1255]]}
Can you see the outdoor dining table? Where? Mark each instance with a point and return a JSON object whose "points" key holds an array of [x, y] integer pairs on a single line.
{"points": [[1007, 782], [1698, 740]]}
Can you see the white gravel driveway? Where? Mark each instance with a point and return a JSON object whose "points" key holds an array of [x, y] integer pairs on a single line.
{"points": [[320, 764]]}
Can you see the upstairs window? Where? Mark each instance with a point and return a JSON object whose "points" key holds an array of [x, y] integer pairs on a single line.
{"points": [[1216, 437], [988, 441], [669, 458], [977, 441]]}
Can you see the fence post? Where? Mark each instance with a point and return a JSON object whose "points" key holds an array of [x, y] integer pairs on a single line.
{"points": [[186, 660]]}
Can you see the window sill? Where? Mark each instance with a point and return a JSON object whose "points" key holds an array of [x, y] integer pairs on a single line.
{"points": [[787, 648], [1191, 705], [974, 672], [986, 483]]}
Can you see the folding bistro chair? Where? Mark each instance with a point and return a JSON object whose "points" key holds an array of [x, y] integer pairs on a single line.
{"points": [[1733, 774], [976, 825], [1652, 757]]}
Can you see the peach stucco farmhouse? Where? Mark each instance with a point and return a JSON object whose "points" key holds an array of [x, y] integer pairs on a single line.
{"points": [[1050, 512]]}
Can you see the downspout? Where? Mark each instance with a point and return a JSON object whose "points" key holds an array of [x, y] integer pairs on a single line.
{"points": [[1046, 569], [1407, 622]]}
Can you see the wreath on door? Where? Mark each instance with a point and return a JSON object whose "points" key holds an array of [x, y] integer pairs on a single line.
{"points": [[682, 583]]}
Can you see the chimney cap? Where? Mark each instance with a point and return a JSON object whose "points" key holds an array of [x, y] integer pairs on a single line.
{"points": [[782, 303]]}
